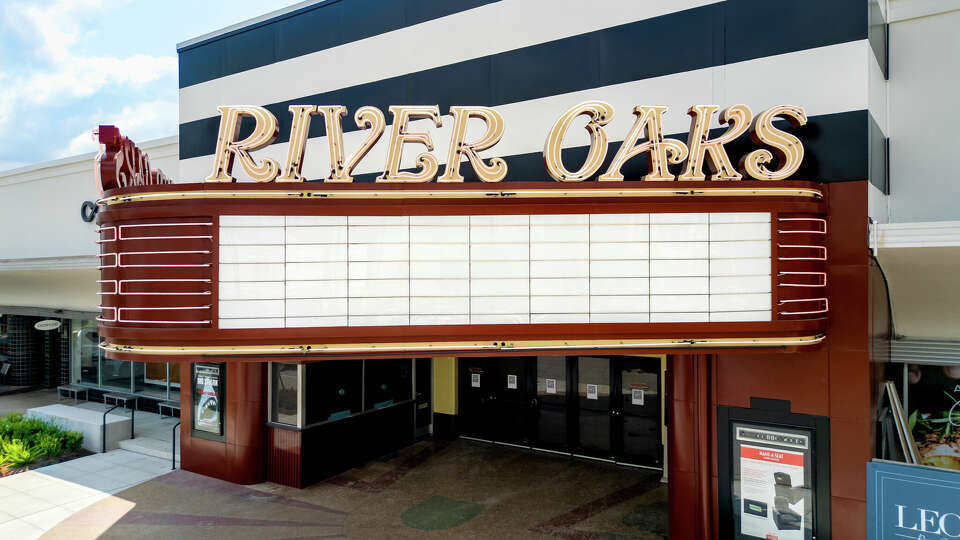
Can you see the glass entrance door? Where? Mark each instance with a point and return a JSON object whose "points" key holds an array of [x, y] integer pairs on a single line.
{"points": [[515, 391], [595, 407], [550, 404], [478, 397], [640, 433]]}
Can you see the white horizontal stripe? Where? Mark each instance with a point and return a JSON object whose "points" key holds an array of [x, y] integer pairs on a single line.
{"points": [[759, 83], [475, 33]]}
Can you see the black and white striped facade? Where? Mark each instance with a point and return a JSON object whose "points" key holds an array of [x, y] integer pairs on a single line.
{"points": [[532, 60]]}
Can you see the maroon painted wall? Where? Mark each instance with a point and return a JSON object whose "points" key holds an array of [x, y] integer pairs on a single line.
{"points": [[835, 379], [241, 458]]}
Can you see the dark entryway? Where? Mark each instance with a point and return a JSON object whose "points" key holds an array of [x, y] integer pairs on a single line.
{"points": [[602, 407]]}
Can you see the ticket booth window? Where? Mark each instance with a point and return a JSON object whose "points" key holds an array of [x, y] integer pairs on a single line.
{"points": [[388, 382], [335, 390], [285, 393]]}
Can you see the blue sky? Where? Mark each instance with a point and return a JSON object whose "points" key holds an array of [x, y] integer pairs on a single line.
{"points": [[68, 65]]}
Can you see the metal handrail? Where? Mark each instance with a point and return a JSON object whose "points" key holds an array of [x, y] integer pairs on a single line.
{"points": [[103, 429], [173, 446]]}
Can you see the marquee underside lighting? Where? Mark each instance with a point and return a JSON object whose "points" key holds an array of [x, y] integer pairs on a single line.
{"points": [[403, 347]]}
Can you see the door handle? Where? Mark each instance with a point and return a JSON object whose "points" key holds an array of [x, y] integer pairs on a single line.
{"points": [[534, 402]]}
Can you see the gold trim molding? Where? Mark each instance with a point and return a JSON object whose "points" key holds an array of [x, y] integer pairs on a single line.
{"points": [[365, 194], [447, 346]]}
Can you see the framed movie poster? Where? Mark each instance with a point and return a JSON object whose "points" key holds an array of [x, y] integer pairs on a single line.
{"points": [[773, 479], [773, 492], [208, 399]]}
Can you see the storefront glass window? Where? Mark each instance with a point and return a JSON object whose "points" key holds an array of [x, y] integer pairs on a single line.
{"points": [[284, 397], [150, 379], [115, 374], [89, 367], [86, 354]]}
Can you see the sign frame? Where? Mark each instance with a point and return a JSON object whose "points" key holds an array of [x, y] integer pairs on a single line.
{"points": [[773, 415], [912, 520], [220, 433], [48, 325]]}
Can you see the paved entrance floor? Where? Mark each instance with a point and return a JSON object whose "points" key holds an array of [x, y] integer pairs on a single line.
{"points": [[33, 502], [429, 490], [27, 400]]}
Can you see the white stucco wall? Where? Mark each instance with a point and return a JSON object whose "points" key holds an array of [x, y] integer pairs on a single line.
{"points": [[40, 206], [923, 88]]}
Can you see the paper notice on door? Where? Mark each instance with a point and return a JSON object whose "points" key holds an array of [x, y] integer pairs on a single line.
{"points": [[511, 382], [636, 396], [475, 380], [551, 386], [591, 391]]}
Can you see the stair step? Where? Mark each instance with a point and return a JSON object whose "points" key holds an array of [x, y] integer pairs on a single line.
{"points": [[149, 447]]}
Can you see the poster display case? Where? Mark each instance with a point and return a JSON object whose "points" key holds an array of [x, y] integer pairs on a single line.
{"points": [[208, 400], [773, 473]]}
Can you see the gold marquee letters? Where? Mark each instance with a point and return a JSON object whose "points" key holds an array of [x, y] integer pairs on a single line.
{"points": [[645, 137]]}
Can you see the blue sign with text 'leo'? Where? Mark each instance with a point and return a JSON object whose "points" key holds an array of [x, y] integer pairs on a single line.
{"points": [[912, 502]]}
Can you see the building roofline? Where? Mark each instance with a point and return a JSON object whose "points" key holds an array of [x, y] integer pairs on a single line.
{"points": [[87, 157], [256, 21]]}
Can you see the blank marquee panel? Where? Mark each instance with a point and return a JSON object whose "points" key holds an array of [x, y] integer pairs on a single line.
{"points": [[309, 271]]}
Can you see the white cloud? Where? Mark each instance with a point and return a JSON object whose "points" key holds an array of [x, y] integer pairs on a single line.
{"points": [[51, 32], [140, 122], [54, 23], [83, 77]]}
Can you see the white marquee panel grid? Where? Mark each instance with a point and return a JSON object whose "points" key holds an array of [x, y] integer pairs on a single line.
{"points": [[316, 271]]}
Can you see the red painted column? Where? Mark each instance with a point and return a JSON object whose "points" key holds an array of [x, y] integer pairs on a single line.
{"points": [[690, 420]]}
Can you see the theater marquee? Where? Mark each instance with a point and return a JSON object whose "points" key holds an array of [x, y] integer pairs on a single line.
{"points": [[281, 267]]}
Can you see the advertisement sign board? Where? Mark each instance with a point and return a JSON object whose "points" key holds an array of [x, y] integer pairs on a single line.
{"points": [[772, 483], [912, 502], [933, 395], [207, 399]]}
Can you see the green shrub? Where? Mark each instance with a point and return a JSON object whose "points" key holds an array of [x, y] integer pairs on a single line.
{"points": [[23, 440], [16, 453], [72, 440], [48, 445]]}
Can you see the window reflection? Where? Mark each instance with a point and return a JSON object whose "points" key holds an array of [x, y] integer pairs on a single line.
{"points": [[86, 354], [283, 393], [335, 390], [387, 382], [89, 367], [150, 378]]}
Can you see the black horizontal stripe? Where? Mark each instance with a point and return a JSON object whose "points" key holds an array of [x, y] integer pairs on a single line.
{"points": [[835, 150], [698, 38], [306, 30]]}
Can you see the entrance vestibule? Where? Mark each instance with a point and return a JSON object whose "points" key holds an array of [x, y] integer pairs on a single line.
{"points": [[600, 407]]}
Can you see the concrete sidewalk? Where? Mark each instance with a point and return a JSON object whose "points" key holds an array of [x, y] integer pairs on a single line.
{"points": [[33, 502]]}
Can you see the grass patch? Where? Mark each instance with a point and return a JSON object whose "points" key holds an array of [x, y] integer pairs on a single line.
{"points": [[24, 441]]}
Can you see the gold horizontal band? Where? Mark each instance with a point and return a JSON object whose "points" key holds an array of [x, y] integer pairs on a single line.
{"points": [[354, 348], [367, 194]]}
